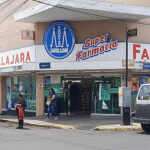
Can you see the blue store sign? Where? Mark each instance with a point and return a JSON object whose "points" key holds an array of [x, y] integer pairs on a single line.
{"points": [[44, 65], [59, 40], [146, 66]]}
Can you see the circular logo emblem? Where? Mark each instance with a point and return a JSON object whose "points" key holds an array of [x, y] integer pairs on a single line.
{"points": [[59, 40]]}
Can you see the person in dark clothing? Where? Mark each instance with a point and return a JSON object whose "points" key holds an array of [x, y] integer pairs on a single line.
{"points": [[52, 108], [20, 109]]}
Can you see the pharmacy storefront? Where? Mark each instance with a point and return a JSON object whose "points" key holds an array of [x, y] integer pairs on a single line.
{"points": [[81, 86], [85, 76], [89, 74]]}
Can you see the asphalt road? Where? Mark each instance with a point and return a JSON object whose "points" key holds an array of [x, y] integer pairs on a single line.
{"points": [[37, 138]]}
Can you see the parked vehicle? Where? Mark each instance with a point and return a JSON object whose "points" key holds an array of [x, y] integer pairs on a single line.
{"points": [[142, 107]]}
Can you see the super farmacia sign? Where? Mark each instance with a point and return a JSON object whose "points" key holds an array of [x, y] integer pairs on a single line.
{"points": [[59, 41], [97, 46]]}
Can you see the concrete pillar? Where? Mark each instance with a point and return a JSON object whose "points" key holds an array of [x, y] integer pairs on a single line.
{"points": [[2, 93], [39, 94]]}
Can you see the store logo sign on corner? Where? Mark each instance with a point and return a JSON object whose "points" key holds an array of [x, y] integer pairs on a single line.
{"points": [[96, 46], [59, 40]]}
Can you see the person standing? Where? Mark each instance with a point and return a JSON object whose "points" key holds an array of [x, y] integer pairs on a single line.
{"points": [[20, 109], [52, 107]]}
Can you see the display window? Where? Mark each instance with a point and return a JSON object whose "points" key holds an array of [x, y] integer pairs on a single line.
{"points": [[106, 95], [21, 84]]}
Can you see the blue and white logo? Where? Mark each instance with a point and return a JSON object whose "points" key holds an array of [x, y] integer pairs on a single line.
{"points": [[59, 40]]}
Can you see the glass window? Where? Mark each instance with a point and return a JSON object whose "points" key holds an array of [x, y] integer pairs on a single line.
{"points": [[26, 85], [144, 93]]}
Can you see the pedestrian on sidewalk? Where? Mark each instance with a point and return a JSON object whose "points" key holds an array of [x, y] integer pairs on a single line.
{"points": [[52, 104], [20, 109]]}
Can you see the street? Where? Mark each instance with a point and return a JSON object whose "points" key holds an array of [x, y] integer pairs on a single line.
{"points": [[37, 138]]}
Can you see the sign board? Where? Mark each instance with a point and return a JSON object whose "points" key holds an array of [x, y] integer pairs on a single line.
{"points": [[131, 63], [17, 57], [27, 35], [132, 32], [45, 65], [146, 66], [120, 96], [59, 40], [97, 46], [126, 97]]}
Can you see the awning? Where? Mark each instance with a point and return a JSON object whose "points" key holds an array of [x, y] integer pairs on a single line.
{"points": [[51, 10]]}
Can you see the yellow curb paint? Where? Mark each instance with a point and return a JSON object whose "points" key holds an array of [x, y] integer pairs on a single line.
{"points": [[117, 128], [40, 123], [60, 126]]}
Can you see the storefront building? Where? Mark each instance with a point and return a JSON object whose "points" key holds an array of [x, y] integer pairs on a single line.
{"points": [[81, 57]]}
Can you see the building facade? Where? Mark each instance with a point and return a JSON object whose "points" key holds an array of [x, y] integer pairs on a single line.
{"points": [[79, 52]]}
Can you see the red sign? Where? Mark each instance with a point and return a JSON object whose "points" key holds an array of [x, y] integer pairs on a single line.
{"points": [[15, 59], [140, 52]]}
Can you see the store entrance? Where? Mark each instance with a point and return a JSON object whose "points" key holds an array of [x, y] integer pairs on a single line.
{"points": [[75, 91], [81, 97]]}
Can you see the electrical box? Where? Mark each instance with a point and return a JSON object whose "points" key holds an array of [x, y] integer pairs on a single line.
{"points": [[124, 96]]}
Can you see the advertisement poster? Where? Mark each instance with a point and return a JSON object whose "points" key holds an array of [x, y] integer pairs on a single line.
{"points": [[8, 97], [8, 93], [143, 80], [105, 95], [120, 96], [100, 88], [134, 84]]}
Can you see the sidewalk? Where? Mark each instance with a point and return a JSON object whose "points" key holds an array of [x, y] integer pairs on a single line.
{"points": [[82, 122]]}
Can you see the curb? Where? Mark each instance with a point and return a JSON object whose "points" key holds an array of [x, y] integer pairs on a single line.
{"points": [[118, 127], [39, 123], [133, 127]]}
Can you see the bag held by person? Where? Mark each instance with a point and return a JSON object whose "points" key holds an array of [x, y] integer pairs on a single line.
{"points": [[104, 105], [48, 102]]}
